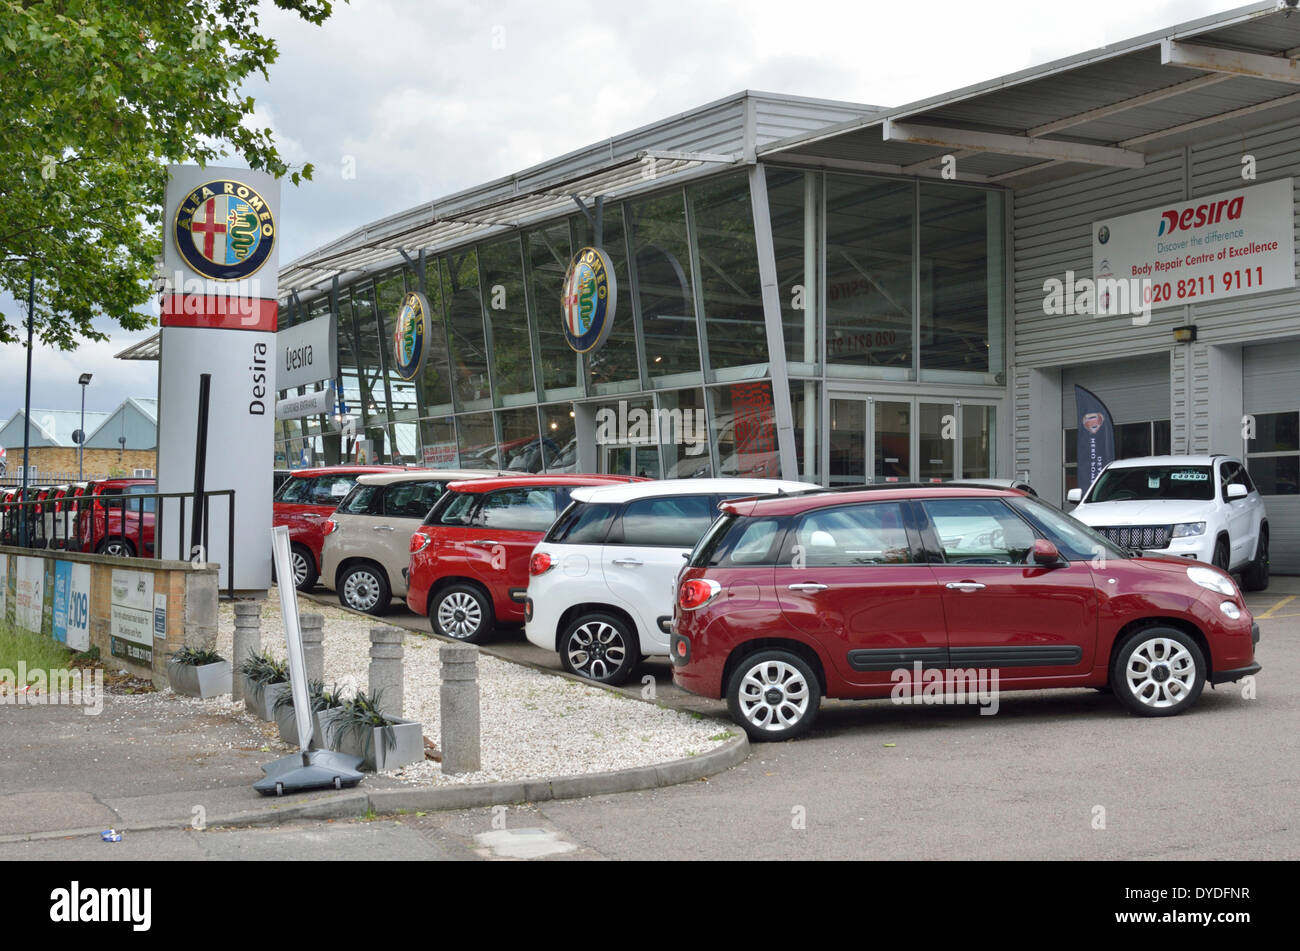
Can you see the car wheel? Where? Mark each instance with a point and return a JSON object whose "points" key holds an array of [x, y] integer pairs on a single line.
{"points": [[462, 612], [364, 588], [1158, 672], [774, 695], [1220, 557], [1255, 577], [600, 647], [118, 548], [304, 567]]}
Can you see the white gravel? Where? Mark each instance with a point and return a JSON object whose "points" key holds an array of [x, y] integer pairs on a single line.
{"points": [[534, 725]]}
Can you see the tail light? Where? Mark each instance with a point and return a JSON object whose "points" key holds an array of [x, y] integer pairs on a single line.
{"points": [[419, 542], [540, 563], [696, 593], [331, 526]]}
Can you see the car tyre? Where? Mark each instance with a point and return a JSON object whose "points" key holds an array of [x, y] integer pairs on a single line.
{"points": [[1255, 577], [1158, 671], [601, 647], [775, 695], [118, 548], [364, 588], [305, 572], [462, 612], [1220, 557]]}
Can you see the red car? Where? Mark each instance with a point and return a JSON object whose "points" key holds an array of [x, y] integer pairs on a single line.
{"points": [[303, 502], [111, 522], [469, 561], [919, 592]]}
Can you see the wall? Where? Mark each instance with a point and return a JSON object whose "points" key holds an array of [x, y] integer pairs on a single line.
{"points": [[59, 464], [71, 597]]}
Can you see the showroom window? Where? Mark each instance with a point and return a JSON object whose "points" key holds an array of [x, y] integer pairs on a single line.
{"points": [[613, 367], [549, 252], [1273, 456], [460, 295], [667, 300], [506, 311], [435, 379], [793, 201]]}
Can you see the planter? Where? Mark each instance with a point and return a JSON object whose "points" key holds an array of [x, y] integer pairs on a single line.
{"points": [[264, 705], [209, 680], [288, 724], [407, 748]]}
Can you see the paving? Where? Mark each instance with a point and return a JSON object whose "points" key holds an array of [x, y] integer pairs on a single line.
{"points": [[1055, 774]]}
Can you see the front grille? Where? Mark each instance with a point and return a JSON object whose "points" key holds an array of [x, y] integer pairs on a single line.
{"points": [[1139, 536]]}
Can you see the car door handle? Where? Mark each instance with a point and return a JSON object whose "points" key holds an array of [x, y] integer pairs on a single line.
{"points": [[965, 586], [384, 528], [485, 542], [808, 586], [631, 562]]}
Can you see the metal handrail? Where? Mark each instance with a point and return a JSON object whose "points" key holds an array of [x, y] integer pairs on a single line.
{"points": [[68, 531]]}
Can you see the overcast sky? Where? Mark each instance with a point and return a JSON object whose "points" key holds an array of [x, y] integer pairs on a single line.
{"points": [[426, 98]]}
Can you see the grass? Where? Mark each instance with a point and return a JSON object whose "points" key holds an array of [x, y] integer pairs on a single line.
{"points": [[37, 651]]}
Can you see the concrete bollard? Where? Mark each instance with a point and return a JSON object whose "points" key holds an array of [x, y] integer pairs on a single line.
{"points": [[248, 640], [313, 646], [458, 704], [386, 668]]}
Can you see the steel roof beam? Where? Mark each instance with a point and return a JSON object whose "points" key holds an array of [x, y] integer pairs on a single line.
{"points": [[1232, 62], [980, 141]]}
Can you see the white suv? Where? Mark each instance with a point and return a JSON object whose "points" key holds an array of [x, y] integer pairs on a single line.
{"points": [[600, 584], [1201, 507]]}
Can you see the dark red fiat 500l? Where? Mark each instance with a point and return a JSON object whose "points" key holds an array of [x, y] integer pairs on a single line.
{"points": [[848, 594]]}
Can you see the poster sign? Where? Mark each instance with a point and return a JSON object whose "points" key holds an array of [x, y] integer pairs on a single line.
{"points": [[71, 604], [1095, 440], [219, 316], [131, 615], [1215, 247], [320, 403], [440, 455], [160, 616], [29, 594], [305, 353]]}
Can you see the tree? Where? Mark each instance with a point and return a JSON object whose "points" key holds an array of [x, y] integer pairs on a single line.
{"points": [[99, 96]]}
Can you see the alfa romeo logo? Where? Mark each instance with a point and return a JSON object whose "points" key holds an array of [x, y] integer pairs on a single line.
{"points": [[588, 301], [409, 336], [224, 230]]}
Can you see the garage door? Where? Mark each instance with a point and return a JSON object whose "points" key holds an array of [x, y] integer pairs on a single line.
{"points": [[1137, 394], [1271, 395]]}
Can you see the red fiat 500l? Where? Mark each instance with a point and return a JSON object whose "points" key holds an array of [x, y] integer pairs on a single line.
{"points": [[303, 502], [854, 594], [469, 560]]}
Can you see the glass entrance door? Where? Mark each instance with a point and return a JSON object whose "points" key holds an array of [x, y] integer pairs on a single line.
{"points": [[630, 460], [876, 439]]}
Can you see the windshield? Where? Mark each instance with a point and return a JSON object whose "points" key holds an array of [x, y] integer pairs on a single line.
{"points": [[1144, 483], [1072, 538]]}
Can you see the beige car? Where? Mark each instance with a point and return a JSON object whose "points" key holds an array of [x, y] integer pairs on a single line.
{"points": [[368, 538]]}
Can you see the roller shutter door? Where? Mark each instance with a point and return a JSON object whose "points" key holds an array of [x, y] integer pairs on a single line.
{"points": [[1271, 394]]}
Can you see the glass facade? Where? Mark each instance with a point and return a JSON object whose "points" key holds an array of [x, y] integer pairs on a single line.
{"points": [[881, 283]]}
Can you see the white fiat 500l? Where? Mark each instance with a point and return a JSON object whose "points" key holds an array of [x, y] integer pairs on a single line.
{"points": [[1201, 507], [600, 584]]}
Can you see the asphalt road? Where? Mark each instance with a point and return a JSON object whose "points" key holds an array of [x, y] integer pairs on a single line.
{"points": [[1054, 774]]}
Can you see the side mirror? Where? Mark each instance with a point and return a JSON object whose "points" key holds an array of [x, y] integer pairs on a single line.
{"points": [[1237, 491], [1045, 553], [1074, 495]]}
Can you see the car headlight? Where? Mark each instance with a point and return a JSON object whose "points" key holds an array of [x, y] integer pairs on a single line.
{"points": [[1184, 529], [1209, 578]]}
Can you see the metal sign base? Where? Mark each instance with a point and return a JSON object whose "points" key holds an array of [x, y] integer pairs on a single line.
{"points": [[310, 769]]}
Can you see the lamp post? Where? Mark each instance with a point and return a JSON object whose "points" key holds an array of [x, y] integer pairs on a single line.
{"points": [[84, 380]]}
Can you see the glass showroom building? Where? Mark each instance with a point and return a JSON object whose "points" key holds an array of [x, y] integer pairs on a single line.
{"points": [[844, 293]]}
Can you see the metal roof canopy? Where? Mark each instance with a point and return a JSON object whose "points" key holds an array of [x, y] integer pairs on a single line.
{"points": [[1116, 106], [146, 349]]}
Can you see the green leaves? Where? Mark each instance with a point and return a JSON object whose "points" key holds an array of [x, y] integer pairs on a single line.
{"points": [[99, 97]]}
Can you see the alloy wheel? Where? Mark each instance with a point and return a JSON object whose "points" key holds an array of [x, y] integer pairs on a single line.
{"points": [[773, 695], [596, 649], [299, 561], [361, 590], [459, 614], [1160, 672]]}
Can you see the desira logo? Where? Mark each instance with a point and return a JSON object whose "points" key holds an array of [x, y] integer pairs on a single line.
{"points": [[77, 904], [1195, 217]]}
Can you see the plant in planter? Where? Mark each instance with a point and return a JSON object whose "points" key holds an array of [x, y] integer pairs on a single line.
{"points": [[265, 679], [359, 728], [322, 700], [197, 672]]}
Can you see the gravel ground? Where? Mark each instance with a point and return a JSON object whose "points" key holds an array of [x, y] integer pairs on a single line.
{"points": [[534, 725]]}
